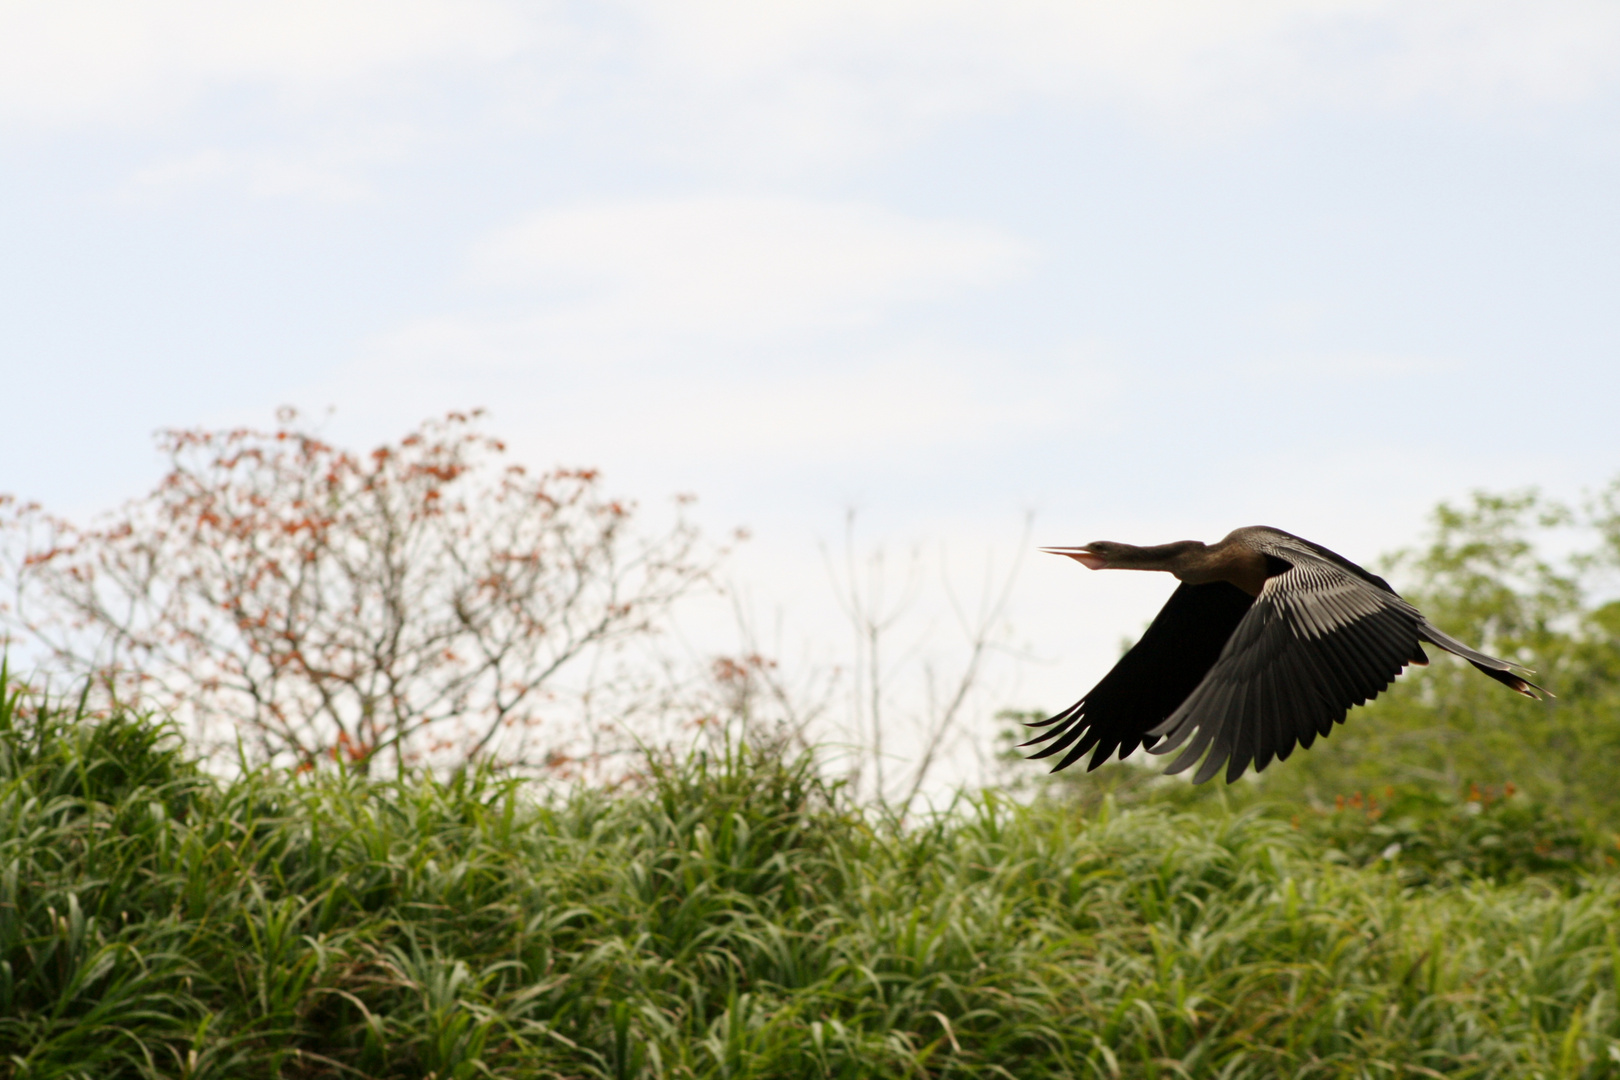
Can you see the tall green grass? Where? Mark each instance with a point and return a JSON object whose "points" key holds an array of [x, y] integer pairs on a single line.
{"points": [[732, 917]]}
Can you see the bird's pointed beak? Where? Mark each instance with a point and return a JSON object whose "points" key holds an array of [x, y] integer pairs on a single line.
{"points": [[1082, 555]]}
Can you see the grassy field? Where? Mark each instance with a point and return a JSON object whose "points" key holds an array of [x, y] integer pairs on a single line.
{"points": [[732, 917]]}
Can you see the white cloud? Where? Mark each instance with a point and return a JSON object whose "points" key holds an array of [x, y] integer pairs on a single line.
{"points": [[703, 322], [952, 53], [796, 85], [259, 174], [803, 80], [746, 418], [884, 405], [737, 267], [76, 61], [1350, 366], [783, 86], [330, 166]]}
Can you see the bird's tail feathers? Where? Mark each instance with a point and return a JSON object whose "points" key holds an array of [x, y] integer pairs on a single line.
{"points": [[1514, 682], [1503, 671]]}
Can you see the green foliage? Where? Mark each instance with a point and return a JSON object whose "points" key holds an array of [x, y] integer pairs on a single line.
{"points": [[730, 916], [1430, 837]]}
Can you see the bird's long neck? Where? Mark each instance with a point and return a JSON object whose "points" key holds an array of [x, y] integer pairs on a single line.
{"points": [[1198, 563], [1183, 555]]}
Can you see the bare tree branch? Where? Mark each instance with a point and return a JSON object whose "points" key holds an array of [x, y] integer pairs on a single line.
{"points": [[879, 716]]}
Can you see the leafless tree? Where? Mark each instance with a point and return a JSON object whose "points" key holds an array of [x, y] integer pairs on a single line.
{"points": [[414, 605], [904, 695]]}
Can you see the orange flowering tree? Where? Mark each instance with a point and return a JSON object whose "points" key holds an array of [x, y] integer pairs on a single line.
{"points": [[418, 604]]}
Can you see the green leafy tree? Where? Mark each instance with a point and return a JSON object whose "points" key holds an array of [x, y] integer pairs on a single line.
{"points": [[1528, 578]]}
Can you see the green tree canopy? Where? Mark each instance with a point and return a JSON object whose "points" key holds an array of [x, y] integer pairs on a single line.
{"points": [[1525, 577]]}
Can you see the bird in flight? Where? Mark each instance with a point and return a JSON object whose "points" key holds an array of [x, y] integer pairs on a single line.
{"points": [[1266, 643]]}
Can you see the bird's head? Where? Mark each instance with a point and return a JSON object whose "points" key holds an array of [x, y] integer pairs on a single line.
{"points": [[1098, 555]]}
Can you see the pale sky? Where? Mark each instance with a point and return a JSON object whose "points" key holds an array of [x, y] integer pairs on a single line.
{"points": [[1151, 270]]}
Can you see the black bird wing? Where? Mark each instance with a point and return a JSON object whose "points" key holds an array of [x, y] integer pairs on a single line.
{"points": [[1322, 636], [1502, 671], [1151, 680], [1247, 679]]}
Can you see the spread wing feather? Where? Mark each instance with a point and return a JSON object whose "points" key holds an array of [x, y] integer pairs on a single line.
{"points": [[1321, 637], [1233, 681], [1150, 680]]}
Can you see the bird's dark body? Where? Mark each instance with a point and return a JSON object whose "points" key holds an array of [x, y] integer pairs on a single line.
{"points": [[1266, 644]]}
